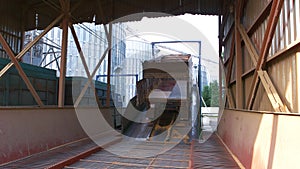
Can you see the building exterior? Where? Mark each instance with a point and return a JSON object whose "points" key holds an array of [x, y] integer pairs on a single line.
{"points": [[136, 53], [93, 42], [35, 54], [205, 79]]}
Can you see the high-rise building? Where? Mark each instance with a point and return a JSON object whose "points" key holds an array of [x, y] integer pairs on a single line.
{"points": [[34, 55], [205, 79], [136, 53], [93, 41]]}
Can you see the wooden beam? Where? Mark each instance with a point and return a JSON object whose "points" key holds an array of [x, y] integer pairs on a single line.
{"points": [[87, 84], [238, 57], [78, 100], [270, 30], [20, 70], [231, 58], [282, 53], [29, 46], [248, 43], [293, 47], [272, 94]]}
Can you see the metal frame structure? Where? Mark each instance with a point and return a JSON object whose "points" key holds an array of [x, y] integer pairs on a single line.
{"points": [[65, 13], [235, 59], [65, 20]]}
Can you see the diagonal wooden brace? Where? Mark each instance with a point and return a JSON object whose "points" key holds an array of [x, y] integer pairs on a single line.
{"points": [[20, 70], [270, 30], [28, 47], [271, 92], [84, 65], [90, 80], [248, 43]]}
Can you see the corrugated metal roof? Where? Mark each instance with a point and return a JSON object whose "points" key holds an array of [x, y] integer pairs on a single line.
{"points": [[85, 10]]}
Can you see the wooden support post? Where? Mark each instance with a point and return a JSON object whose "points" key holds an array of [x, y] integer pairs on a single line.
{"points": [[63, 60], [108, 93], [231, 58], [270, 30], [20, 70], [28, 47], [238, 59]]}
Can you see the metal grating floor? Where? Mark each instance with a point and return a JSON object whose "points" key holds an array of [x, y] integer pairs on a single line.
{"points": [[131, 155], [210, 154], [176, 158]]}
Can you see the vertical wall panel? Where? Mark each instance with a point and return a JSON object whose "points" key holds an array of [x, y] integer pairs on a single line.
{"points": [[282, 69], [298, 79], [285, 80], [252, 11], [297, 19], [287, 28]]}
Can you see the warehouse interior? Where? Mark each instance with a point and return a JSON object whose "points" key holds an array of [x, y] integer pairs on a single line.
{"points": [[259, 54]]}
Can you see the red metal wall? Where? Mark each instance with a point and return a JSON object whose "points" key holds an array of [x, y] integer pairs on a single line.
{"points": [[27, 131], [261, 139]]}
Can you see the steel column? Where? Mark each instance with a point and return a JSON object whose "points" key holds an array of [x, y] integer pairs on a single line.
{"points": [[63, 60], [109, 66]]}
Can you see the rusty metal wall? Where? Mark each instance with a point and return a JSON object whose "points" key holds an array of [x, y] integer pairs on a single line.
{"points": [[27, 131]]}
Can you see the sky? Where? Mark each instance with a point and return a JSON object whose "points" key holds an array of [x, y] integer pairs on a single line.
{"points": [[208, 25]]}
